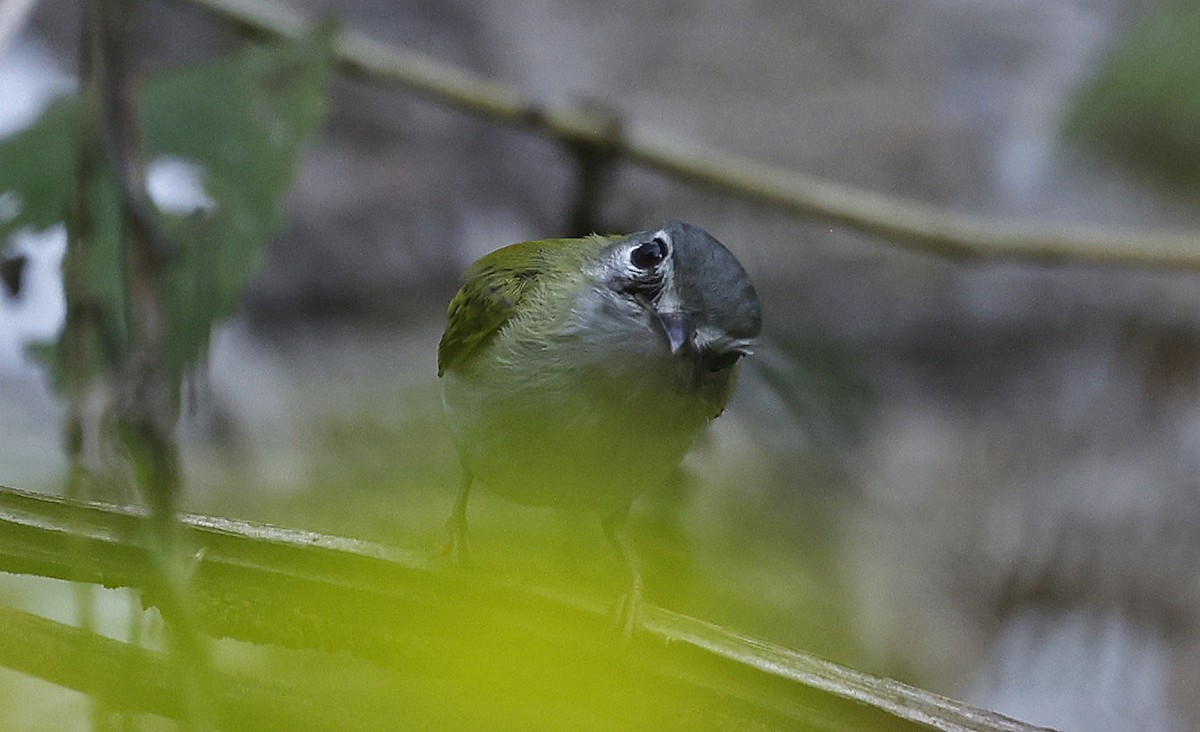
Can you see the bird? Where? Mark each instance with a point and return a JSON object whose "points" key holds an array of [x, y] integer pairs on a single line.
{"points": [[577, 373]]}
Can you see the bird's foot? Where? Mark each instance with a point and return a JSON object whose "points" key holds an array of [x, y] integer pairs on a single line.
{"points": [[626, 615], [629, 606], [456, 550]]}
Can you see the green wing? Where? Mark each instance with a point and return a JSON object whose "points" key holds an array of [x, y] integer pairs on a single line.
{"points": [[495, 286]]}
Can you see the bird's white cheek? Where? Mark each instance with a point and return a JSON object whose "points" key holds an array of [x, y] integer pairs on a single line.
{"points": [[611, 324]]}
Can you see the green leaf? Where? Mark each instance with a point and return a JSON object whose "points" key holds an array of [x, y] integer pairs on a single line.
{"points": [[1142, 109], [36, 167], [244, 120]]}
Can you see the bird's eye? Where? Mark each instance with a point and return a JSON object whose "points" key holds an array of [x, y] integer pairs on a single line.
{"points": [[650, 254], [720, 360]]}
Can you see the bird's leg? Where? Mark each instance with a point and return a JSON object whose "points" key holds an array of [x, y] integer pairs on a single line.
{"points": [[456, 548], [629, 605]]}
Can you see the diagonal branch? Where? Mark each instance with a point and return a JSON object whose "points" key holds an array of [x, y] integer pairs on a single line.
{"points": [[522, 645], [913, 225]]}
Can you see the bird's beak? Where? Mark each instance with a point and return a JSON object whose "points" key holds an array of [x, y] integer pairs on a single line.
{"points": [[677, 328]]}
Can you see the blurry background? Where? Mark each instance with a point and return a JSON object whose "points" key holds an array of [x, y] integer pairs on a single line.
{"points": [[981, 479]]}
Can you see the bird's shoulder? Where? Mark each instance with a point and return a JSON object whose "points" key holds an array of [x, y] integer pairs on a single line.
{"points": [[496, 285]]}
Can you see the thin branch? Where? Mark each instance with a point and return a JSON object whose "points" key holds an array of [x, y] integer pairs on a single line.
{"points": [[909, 224], [78, 659], [305, 590], [147, 387]]}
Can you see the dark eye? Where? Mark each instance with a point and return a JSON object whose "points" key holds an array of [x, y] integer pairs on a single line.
{"points": [[720, 360], [649, 255]]}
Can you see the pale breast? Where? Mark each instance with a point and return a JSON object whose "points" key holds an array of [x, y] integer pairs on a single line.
{"points": [[573, 416]]}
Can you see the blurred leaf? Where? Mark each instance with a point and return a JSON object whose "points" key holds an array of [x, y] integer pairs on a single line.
{"points": [[244, 120], [36, 168], [1142, 109]]}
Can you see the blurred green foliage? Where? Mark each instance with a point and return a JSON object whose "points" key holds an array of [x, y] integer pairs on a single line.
{"points": [[334, 633], [244, 120], [1142, 108]]}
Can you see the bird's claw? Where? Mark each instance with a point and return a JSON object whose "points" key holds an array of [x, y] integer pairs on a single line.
{"points": [[456, 550]]}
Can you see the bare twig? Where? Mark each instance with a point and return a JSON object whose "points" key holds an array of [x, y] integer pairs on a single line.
{"points": [[906, 223]]}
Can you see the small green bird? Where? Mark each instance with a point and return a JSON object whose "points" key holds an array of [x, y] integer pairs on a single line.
{"points": [[576, 373]]}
